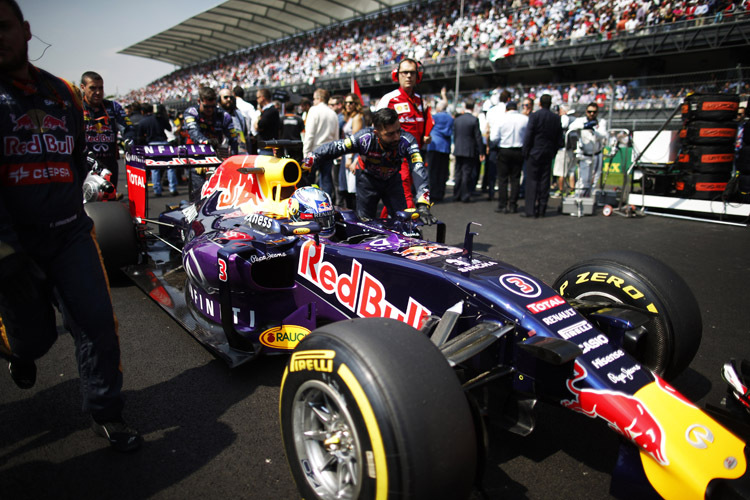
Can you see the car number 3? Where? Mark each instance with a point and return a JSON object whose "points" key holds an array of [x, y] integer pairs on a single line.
{"points": [[222, 270]]}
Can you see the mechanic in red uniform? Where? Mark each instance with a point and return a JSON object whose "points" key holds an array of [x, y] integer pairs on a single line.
{"points": [[381, 149], [102, 118], [414, 116], [48, 252]]}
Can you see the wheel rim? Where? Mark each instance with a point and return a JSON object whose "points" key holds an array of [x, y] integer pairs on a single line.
{"points": [[656, 352], [326, 441]]}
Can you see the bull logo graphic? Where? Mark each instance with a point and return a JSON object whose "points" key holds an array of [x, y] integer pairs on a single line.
{"points": [[625, 414]]}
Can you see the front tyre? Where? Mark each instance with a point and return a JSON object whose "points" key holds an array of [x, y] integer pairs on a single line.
{"points": [[371, 409], [673, 335]]}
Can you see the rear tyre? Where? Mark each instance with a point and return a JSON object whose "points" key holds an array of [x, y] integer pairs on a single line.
{"points": [[371, 409], [115, 233], [673, 336]]}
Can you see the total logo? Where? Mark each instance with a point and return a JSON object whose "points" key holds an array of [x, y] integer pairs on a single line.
{"points": [[358, 291], [520, 285], [136, 180], [546, 304]]}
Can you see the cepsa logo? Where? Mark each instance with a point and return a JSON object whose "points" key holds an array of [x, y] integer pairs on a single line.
{"points": [[38, 173], [358, 291], [284, 336]]}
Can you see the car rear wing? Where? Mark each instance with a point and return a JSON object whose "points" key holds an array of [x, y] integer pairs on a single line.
{"points": [[143, 159]]}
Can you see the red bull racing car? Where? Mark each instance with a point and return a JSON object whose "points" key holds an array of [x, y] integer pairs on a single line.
{"points": [[401, 349]]}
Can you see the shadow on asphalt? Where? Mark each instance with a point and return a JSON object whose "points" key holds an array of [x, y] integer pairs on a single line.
{"points": [[184, 435]]}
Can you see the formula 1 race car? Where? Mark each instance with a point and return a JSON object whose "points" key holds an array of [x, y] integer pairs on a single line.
{"points": [[401, 349]]}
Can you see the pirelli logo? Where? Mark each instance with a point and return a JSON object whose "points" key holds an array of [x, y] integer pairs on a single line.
{"points": [[314, 361], [708, 158], [720, 158], [717, 132], [719, 106], [575, 329]]}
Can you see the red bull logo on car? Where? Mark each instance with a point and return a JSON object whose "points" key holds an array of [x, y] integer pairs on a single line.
{"points": [[358, 291], [235, 188], [625, 414]]}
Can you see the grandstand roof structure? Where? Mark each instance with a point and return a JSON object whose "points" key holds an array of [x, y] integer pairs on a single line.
{"points": [[239, 24]]}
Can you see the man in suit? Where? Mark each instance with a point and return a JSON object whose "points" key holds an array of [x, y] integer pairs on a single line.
{"points": [[269, 123], [542, 140], [468, 150], [438, 151]]}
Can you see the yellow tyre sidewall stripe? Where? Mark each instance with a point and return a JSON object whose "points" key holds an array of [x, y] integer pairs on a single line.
{"points": [[373, 429]]}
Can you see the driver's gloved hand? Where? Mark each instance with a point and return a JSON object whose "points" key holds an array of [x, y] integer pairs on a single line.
{"points": [[425, 216], [308, 162]]}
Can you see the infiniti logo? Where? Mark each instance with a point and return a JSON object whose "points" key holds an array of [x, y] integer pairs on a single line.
{"points": [[699, 436]]}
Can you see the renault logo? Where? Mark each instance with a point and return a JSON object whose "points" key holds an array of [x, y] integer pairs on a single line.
{"points": [[699, 436]]}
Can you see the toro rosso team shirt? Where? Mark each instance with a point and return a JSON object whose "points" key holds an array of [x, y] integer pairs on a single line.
{"points": [[375, 161], [42, 165], [203, 128], [414, 117]]}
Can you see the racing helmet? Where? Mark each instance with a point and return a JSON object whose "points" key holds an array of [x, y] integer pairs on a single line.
{"points": [[312, 204]]}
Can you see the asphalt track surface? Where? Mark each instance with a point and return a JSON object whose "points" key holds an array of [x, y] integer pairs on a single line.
{"points": [[211, 432]]}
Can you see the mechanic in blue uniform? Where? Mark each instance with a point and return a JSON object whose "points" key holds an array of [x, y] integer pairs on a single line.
{"points": [[381, 149], [48, 252], [208, 124], [102, 118]]}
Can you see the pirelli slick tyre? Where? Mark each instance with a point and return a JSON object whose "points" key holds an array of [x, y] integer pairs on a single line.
{"points": [[371, 409], [115, 233], [673, 335], [703, 133], [713, 107], [707, 159]]}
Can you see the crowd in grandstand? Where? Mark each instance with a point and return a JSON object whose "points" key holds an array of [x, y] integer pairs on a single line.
{"points": [[431, 32]]}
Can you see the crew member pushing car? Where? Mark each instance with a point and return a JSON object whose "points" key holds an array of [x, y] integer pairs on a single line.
{"points": [[47, 244], [381, 150]]}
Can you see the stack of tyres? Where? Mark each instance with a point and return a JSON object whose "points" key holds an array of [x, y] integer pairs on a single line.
{"points": [[707, 152], [742, 163]]}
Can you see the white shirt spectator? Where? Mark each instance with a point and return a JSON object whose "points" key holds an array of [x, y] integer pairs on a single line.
{"points": [[493, 120], [248, 111], [321, 126], [511, 129]]}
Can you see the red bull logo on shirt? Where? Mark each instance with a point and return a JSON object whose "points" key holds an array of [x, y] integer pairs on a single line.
{"points": [[38, 121]]}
